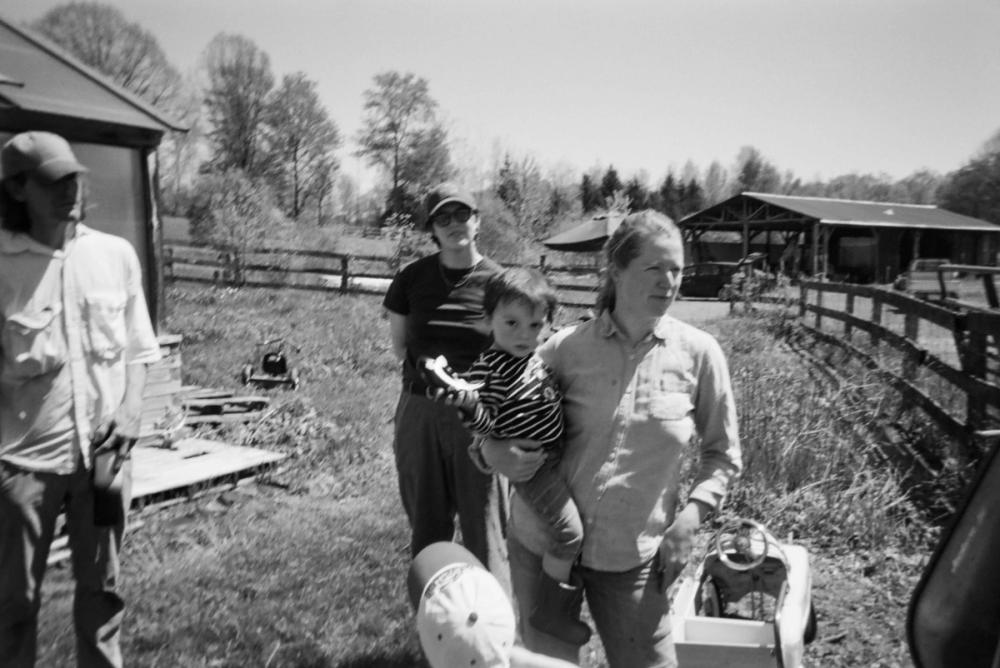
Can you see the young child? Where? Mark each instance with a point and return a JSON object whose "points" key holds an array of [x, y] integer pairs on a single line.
{"points": [[517, 397]]}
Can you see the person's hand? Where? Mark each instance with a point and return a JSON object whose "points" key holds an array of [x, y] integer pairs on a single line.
{"points": [[512, 459], [678, 540], [119, 433], [128, 421], [464, 400]]}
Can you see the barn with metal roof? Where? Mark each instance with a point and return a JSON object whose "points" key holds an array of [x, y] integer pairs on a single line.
{"points": [[114, 133], [860, 241]]}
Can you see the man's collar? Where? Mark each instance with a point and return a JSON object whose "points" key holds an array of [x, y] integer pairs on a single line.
{"points": [[20, 242]]}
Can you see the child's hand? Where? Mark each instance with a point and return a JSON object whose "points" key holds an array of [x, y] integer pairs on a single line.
{"points": [[462, 399]]}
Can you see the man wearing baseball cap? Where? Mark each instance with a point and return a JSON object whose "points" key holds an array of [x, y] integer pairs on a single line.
{"points": [[75, 338]]}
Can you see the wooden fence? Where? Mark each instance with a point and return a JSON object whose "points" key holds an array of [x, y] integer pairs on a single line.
{"points": [[324, 270], [954, 344], [946, 349]]}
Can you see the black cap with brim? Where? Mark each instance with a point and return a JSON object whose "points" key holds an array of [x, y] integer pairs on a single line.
{"points": [[446, 193]]}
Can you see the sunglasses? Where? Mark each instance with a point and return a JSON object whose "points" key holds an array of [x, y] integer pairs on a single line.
{"points": [[445, 218]]}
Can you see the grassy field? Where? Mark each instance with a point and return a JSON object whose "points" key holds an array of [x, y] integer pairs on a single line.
{"points": [[307, 568]]}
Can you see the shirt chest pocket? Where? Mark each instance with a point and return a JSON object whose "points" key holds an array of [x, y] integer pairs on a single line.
{"points": [[105, 323], [33, 343], [669, 398], [670, 405]]}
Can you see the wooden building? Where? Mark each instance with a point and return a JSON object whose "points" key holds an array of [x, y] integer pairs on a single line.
{"points": [[846, 239]]}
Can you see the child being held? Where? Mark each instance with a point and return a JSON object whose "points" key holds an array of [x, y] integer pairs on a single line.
{"points": [[519, 398]]}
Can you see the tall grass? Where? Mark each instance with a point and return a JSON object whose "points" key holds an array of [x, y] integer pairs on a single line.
{"points": [[808, 470]]}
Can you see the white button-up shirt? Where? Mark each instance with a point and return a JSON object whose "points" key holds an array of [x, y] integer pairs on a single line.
{"points": [[70, 321]]}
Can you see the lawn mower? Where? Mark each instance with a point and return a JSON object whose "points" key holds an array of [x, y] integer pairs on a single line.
{"points": [[274, 369], [749, 603]]}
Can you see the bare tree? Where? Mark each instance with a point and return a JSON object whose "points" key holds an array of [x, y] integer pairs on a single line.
{"points": [[302, 141], [239, 81], [100, 36]]}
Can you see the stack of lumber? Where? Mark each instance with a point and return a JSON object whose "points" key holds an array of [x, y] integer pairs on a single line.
{"points": [[162, 412]]}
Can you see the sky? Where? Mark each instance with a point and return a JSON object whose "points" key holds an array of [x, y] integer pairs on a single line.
{"points": [[819, 87]]}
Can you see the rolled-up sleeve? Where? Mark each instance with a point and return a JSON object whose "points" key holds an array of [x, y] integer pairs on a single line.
{"points": [[716, 422]]}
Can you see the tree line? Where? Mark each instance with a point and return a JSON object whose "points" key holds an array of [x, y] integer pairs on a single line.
{"points": [[262, 151]]}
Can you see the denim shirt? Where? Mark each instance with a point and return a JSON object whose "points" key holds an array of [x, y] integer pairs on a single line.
{"points": [[632, 413], [71, 319]]}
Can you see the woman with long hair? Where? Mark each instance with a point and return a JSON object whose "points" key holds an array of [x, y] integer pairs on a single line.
{"points": [[638, 386]]}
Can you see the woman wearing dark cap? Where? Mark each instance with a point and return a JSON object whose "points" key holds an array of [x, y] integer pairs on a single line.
{"points": [[435, 307]]}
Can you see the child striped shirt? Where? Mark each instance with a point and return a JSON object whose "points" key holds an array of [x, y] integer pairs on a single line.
{"points": [[519, 398]]}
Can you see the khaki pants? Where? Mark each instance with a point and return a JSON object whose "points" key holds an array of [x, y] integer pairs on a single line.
{"points": [[29, 505]]}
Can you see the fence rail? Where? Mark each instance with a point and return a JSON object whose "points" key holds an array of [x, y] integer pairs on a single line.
{"points": [[946, 349], [325, 270]]}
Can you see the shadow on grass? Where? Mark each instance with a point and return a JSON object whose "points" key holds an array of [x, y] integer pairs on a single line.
{"points": [[403, 660]]}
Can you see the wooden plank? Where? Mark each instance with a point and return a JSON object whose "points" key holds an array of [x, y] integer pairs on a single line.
{"points": [[225, 404], [204, 393], [223, 418], [192, 461]]}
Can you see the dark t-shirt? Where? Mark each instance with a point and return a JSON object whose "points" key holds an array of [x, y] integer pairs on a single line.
{"points": [[444, 313]]}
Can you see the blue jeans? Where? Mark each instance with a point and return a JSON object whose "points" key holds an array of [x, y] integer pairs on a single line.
{"points": [[438, 481], [631, 615], [29, 505]]}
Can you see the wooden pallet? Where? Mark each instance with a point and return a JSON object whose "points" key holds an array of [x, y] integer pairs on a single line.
{"points": [[190, 468], [219, 409], [193, 462]]}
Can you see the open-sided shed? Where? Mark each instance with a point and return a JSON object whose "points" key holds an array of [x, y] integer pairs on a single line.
{"points": [[863, 241], [112, 131]]}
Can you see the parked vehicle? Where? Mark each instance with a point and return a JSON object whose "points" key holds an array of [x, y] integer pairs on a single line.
{"points": [[707, 279], [921, 279], [751, 278]]}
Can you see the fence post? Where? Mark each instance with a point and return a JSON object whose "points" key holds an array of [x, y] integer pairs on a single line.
{"points": [[168, 263], [974, 364], [541, 263], [911, 329], [877, 320], [819, 305], [803, 293], [345, 273], [849, 308]]}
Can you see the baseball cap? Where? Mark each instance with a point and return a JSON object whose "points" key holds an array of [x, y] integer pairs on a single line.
{"points": [[464, 618], [447, 193], [42, 154]]}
